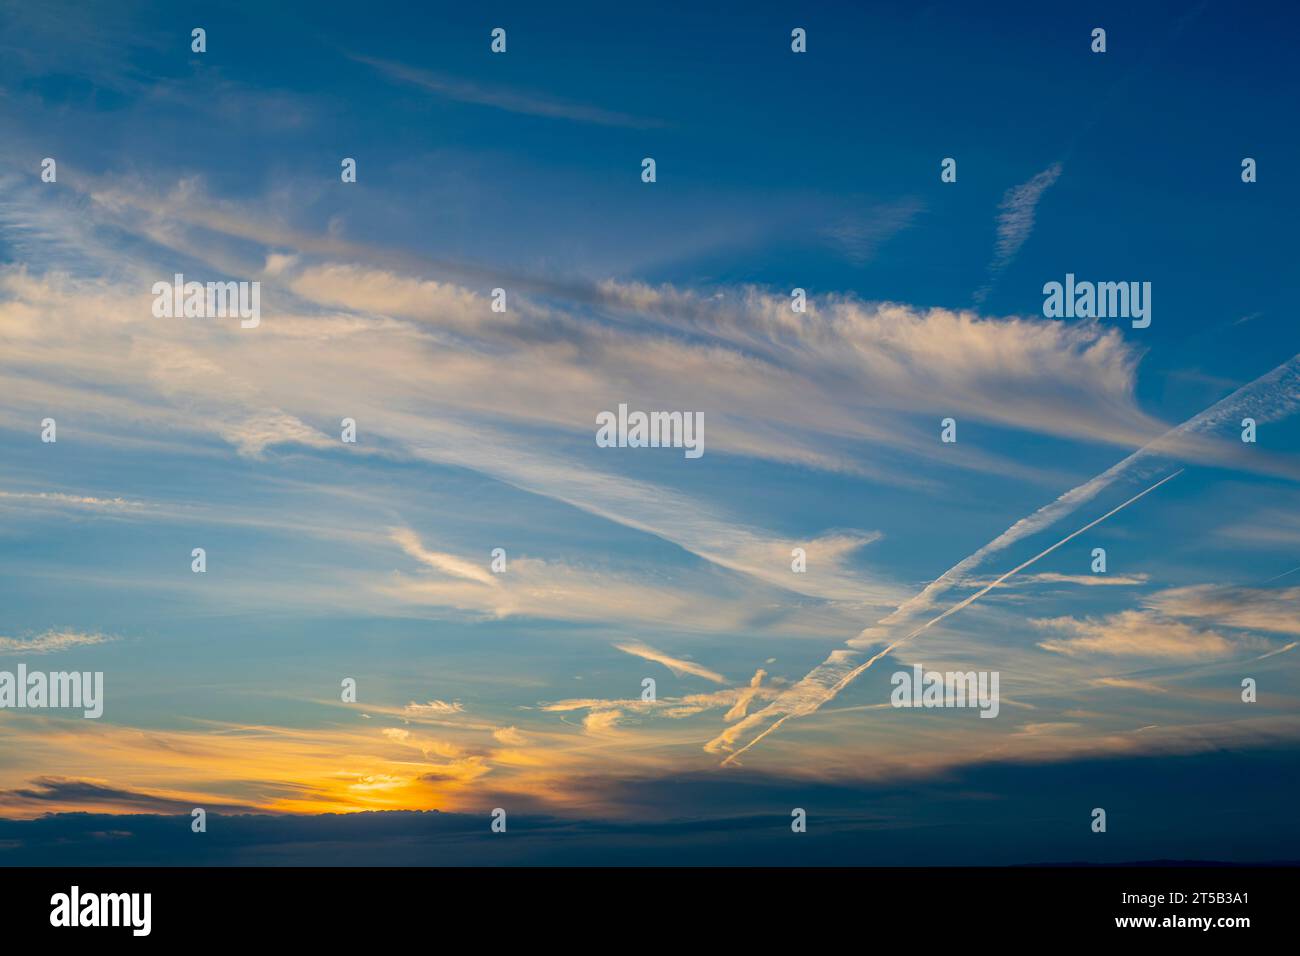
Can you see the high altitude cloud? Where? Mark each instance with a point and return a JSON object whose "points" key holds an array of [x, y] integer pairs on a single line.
{"points": [[1134, 634], [49, 642], [1198, 622], [416, 355], [448, 564], [1273, 395], [693, 600], [1260, 609], [434, 707], [675, 664], [1016, 214], [497, 97]]}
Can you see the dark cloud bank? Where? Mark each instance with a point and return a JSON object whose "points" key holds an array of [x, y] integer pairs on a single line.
{"points": [[1225, 806]]}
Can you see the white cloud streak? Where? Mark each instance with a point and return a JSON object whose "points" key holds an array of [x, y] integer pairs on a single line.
{"points": [[677, 665], [51, 642], [811, 692], [1271, 396], [1016, 214]]}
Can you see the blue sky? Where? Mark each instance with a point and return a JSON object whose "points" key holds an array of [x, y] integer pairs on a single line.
{"points": [[522, 171]]}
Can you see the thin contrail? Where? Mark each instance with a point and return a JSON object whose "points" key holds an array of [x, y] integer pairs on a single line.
{"points": [[1275, 394], [964, 603], [1282, 575]]}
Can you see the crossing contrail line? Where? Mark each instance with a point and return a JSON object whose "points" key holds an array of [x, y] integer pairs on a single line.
{"points": [[1274, 395], [960, 605]]}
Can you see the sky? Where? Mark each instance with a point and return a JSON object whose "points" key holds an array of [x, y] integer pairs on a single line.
{"points": [[521, 688]]}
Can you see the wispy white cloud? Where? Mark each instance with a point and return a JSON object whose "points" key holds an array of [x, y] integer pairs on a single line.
{"points": [[746, 696], [1137, 634], [675, 664], [1273, 395], [50, 642], [1016, 214], [1255, 609], [858, 236], [448, 564], [479, 94], [60, 499], [688, 600], [1055, 577], [1130, 683], [733, 699], [514, 399], [825, 681], [434, 708]]}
